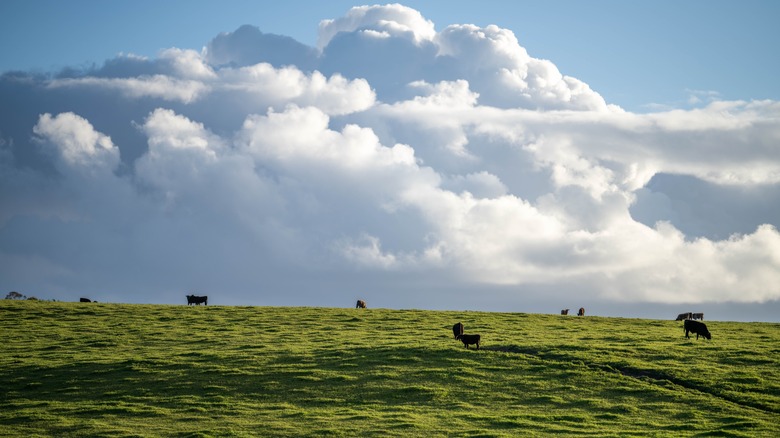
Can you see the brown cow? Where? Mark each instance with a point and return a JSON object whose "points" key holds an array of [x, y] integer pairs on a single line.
{"points": [[683, 316], [360, 304], [457, 329], [581, 312], [565, 312]]}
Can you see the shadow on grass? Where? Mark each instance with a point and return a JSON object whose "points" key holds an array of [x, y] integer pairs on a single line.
{"points": [[381, 375], [562, 356]]}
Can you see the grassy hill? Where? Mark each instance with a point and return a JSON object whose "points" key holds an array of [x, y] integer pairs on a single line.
{"points": [[86, 369]]}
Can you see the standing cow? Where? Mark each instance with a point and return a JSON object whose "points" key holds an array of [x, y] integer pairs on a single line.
{"points": [[457, 329], [682, 316], [565, 312], [697, 316], [581, 312], [360, 304], [469, 340], [696, 327], [85, 300], [196, 300]]}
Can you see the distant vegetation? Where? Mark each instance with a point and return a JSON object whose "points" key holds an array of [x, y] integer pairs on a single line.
{"points": [[73, 369]]}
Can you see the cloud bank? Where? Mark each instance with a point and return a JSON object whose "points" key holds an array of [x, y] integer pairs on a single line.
{"points": [[394, 162]]}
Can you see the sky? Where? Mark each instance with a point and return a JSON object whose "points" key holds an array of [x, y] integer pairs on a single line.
{"points": [[500, 156]]}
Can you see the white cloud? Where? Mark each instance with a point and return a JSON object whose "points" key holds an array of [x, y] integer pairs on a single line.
{"points": [[740, 269], [156, 86], [504, 75], [334, 95], [300, 136], [187, 64], [77, 147], [367, 251], [389, 20]]}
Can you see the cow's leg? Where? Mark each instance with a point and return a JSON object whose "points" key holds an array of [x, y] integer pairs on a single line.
{"points": [[477, 345]]}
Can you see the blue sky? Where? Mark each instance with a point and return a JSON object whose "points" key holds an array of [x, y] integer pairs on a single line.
{"points": [[636, 54], [509, 156]]}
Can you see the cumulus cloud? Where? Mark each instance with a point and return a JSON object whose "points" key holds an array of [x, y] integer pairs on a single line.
{"points": [[378, 21], [504, 75], [335, 95], [414, 165], [75, 144]]}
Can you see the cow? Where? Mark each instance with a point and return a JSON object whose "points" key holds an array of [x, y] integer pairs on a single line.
{"points": [[683, 316], [457, 329], [84, 300], [360, 304], [581, 312], [196, 300], [696, 327], [565, 312], [697, 316], [469, 340]]}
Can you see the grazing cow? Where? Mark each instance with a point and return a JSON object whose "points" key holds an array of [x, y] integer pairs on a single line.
{"points": [[196, 300], [457, 329], [696, 327], [360, 304], [85, 300], [697, 316], [581, 312], [469, 340], [565, 312], [683, 316]]}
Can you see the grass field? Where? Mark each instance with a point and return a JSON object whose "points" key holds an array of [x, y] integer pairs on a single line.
{"points": [[87, 369]]}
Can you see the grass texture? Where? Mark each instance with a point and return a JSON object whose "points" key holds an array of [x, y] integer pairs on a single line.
{"points": [[118, 370]]}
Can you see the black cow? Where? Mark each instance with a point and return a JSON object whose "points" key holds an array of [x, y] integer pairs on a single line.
{"points": [[196, 300], [469, 340], [581, 312], [360, 304], [565, 312], [683, 316], [457, 329], [696, 327], [697, 316], [85, 300]]}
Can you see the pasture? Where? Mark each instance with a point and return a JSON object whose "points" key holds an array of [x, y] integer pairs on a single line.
{"points": [[114, 370]]}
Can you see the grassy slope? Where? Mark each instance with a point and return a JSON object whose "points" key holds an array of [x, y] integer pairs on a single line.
{"points": [[142, 370]]}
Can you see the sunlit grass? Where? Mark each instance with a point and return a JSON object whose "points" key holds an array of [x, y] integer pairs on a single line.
{"points": [[86, 369]]}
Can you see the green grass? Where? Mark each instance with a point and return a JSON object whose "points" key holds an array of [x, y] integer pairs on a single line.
{"points": [[73, 369]]}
